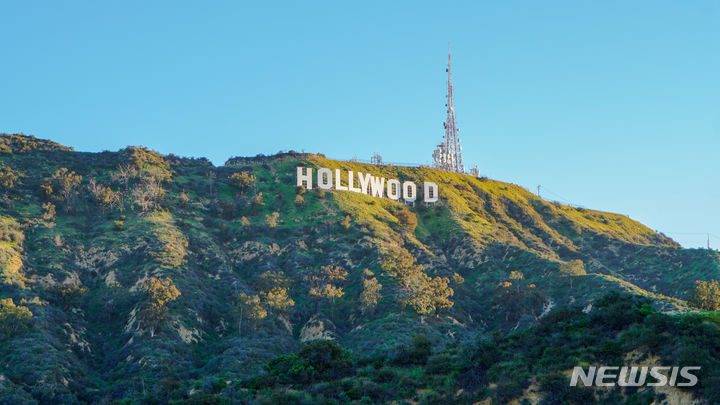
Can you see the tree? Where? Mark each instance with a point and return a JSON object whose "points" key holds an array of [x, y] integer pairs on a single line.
{"points": [[331, 293], [407, 218], [7, 177], [184, 199], [278, 299], [422, 293], [67, 296], [271, 279], [242, 180], [400, 264], [142, 199], [327, 358], [299, 200], [705, 295], [323, 280], [148, 194], [272, 219], [124, 174], [257, 201], [430, 295], [155, 174], [440, 292], [347, 222], [159, 293], [370, 295], [13, 319], [517, 276], [64, 182], [249, 307], [327, 274], [573, 268], [105, 197], [319, 360], [48, 211]]}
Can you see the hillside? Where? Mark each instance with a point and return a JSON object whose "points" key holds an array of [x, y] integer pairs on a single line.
{"points": [[159, 276]]}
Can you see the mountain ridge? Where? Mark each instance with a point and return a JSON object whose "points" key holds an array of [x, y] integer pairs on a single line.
{"points": [[84, 234]]}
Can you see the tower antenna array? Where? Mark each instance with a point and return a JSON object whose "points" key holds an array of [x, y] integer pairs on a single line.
{"points": [[448, 155]]}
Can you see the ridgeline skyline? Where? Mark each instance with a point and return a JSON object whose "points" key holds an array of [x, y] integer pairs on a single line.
{"points": [[610, 106]]}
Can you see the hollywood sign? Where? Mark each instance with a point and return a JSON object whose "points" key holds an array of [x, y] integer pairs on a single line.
{"points": [[364, 183]]}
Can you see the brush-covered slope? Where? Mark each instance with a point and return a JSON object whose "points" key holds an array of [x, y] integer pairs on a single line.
{"points": [[147, 274]]}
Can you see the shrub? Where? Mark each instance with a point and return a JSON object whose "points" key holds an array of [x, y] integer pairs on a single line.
{"points": [[439, 364], [8, 178], [327, 358], [705, 295], [62, 185], [13, 318], [105, 197], [407, 218], [257, 200], [67, 296], [416, 353], [272, 219], [558, 391], [507, 390], [317, 361], [48, 211]]}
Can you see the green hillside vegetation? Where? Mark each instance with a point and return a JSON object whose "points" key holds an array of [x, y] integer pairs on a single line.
{"points": [[527, 366], [140, 277]]}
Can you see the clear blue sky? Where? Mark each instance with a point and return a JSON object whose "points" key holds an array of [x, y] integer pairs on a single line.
{"points": [[614, 105]]}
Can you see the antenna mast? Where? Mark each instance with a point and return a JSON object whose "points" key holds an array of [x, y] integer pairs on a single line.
{"points": [[448, 155]]}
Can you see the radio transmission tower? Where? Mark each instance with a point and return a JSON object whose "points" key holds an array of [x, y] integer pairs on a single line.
{"points": [[448, 155]]}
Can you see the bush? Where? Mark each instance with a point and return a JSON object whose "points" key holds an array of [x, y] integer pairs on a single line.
{"points": [[439, 364], [705, 295], [615, 311], [407, 218], [507, 390], [317, 361], [8, 178], [329, 359], [49, 211], [14, 319], [558, 391], [66, 296], [416, 353], [203, 399]]}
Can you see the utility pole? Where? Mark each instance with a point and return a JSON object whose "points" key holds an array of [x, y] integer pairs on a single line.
{"points": [[708, 240], [539, 191]]}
